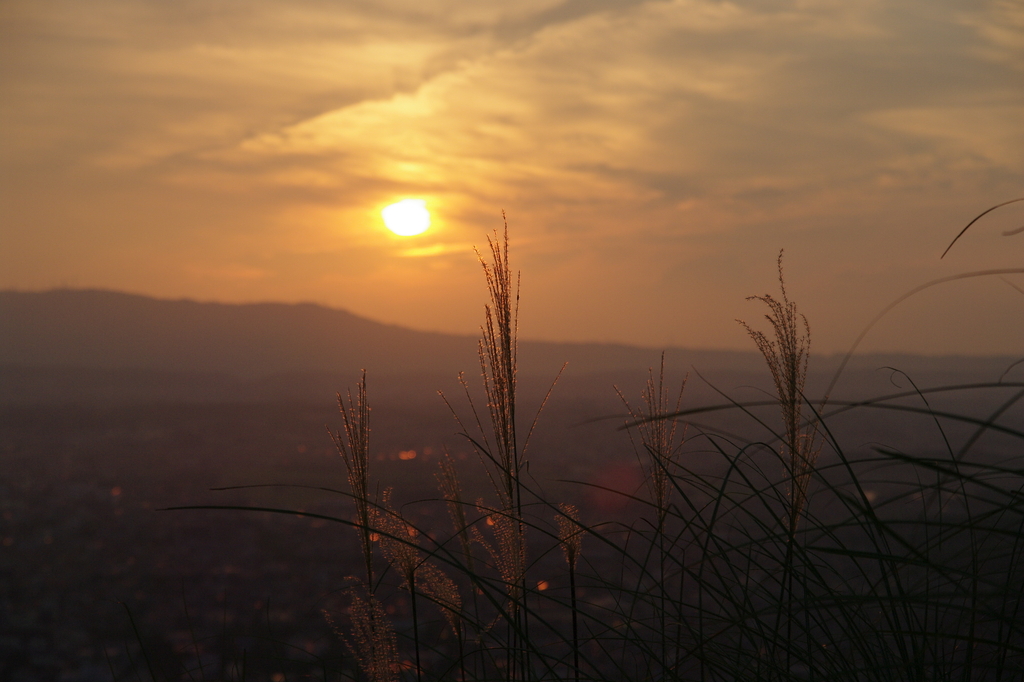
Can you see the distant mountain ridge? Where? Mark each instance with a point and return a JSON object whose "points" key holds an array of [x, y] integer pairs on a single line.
{"points": [[45, 335], [112, 330]]}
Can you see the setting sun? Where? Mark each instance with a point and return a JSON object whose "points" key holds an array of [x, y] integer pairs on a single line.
{"points": [[407, 217]]}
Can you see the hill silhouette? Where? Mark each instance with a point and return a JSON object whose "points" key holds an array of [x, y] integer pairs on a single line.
{"points": [[55, 342], [111, 330]]}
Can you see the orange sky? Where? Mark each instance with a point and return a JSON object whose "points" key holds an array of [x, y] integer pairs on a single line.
{"points": [[652, 158]]}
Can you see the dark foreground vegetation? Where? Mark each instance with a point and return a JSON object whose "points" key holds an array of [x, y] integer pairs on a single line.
{"points": [[774, 539]]}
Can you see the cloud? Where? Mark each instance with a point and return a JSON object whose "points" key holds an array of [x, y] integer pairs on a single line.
{"points": [[651, 155], [716, 99], [981, 136]]}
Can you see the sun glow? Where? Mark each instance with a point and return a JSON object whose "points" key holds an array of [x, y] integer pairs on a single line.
{"points": [[407, 218]]}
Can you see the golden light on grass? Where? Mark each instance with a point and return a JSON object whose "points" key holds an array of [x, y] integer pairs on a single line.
{"points": [[407, 218]]}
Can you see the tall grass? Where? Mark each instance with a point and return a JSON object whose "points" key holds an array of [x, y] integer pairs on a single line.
{"points": [[792, 560], [788, 557]]}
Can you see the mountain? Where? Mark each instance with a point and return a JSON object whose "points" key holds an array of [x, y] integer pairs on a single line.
{"points": [[110, 330], [56, 340]]}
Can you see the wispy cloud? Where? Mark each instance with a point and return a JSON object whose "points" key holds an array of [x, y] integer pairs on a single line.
{"points": [[652, 155]]}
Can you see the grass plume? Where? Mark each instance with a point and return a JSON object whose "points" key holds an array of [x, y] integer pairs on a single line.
{"points": [[787, 353], [660, 436], [353, 444], [372, 640]]}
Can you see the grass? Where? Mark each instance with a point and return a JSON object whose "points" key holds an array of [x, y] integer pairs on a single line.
{"points": [[783, 558]]}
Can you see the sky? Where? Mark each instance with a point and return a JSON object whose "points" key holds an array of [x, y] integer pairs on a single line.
{"points": [[652, 158]]}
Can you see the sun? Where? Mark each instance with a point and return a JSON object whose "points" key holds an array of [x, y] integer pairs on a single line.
{"points": [[407, 218]]}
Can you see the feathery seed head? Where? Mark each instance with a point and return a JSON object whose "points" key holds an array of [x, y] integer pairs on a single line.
{"points": [[570, 532]]}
